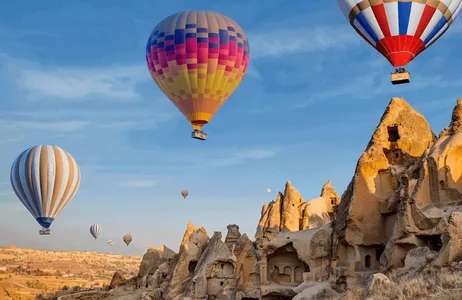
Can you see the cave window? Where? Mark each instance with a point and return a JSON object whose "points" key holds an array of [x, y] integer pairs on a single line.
{"points": [[307, 268], [332, 201], [393, 134], [433, 242], [221, 283], [222, 266], [367, 261], [442, 185], [396, 155], [378, 253], [192, 266]]}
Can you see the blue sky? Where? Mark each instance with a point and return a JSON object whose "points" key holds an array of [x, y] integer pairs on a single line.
{"points": [[73, 74]]}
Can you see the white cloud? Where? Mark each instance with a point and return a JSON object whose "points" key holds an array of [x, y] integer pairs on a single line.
{"points": [[13, 139], [141, 183], [63, 126], [75, 83], [300, 40], [42, 81], [241, 156]]}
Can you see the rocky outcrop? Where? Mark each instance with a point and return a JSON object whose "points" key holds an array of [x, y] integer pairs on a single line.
{"points": [[402, 209], [184, 264], [290, 212], [153, 258], [232, 236]]}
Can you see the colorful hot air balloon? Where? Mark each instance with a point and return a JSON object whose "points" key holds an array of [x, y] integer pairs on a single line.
{"points": [[127, 239], [197, 58], [184, 193], [110, 242], [268, 191], [95, 230], [400, 29], [45, 178]]}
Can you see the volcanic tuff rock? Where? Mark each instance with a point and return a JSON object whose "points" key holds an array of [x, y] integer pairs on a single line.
{"points": [[153, 259], [402, 209], [290, 211]]}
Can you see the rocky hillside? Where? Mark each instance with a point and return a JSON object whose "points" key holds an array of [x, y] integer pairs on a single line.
{"points": [[395, 233]]}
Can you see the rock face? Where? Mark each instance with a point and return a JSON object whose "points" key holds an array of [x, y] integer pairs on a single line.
{"points": [[402, 209], [290, 212], [153, 259]]}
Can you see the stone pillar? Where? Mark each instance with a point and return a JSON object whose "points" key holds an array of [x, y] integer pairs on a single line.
{"points": [[292, 274], [263, 271]]}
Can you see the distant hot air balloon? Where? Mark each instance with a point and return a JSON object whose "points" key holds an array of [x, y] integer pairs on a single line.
{"points": [[127, 239], [268, 191], [45, 178], [184, 193], [400, 29], [95, 230], [110, 242], [197, 58]]}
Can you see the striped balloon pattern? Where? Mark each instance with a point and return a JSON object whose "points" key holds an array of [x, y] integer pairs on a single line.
{"points": [[45, 178], [127, 239], [197, 59], [95, 230], [400, 29]]}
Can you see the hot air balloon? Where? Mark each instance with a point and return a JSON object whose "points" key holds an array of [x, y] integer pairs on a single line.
{"points": [[197, 58], [268, 191], [110, 242], [184, 193], [400, 29], [95, 230], [45, 178], [127, 239]]}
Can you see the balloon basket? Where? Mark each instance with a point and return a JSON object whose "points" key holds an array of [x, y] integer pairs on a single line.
{"points": [[44, 231], [400, 76], [199, 135]]}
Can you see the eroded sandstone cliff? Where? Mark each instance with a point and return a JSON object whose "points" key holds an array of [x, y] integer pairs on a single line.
{"points": [[402, 209]]}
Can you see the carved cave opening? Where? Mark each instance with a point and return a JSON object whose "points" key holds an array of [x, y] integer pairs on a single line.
{"points": [[433, 242], [274, 296], [378, 252], [442, 185], [394, 156], [393, 134], [284, 266], [367, 261], [192, 266]]}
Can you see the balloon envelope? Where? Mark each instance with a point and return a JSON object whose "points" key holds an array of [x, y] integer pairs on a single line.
{"points": [[197, 58], [45, 178], [400, 29], [110, 242], [95, 230], [127, 239], [268, 191], [184, 193]]}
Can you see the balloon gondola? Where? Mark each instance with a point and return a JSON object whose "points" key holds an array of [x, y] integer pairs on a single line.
{"points": [[402, 29], [197, 58], [45, 178]]}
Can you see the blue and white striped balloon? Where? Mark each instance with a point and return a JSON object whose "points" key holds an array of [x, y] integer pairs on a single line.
{"points": [[95, 230]]}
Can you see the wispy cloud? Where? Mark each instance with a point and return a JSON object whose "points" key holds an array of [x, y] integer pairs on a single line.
{"points": [[241, 156], [111, 82], [142, 183], [106, 82], [13, 139], [300, 40], [64, 126]]}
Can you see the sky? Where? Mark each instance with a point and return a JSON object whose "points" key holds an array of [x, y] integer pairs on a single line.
{"points": [[73, 74]]}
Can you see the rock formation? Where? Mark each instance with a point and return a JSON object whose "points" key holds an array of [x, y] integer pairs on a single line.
{"points": [[290, 212], [402, 209]]}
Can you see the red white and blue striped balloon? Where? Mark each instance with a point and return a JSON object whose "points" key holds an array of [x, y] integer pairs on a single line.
{"points": [[400, 29], [95, 230]]}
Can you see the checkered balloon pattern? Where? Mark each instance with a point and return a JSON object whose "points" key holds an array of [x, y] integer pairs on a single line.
{"points": [[198, 59]]}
